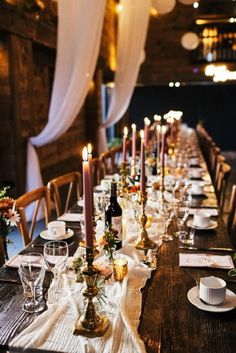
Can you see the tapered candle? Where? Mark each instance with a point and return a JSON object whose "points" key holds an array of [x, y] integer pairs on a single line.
{"points": [[88, 227], [146, 130], [124, 143], [133, 126], [90, 157], [157, 118], [163, 132], [158, 130], [142, 174]]}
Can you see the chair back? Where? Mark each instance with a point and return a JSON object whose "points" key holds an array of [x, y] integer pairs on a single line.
{"points": [[222, 182], [231, 220], [96, 171], [65, 190], [107, 163], [36, 197]]}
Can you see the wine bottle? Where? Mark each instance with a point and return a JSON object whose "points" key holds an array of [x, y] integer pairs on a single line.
{"points": [[113, 213]]}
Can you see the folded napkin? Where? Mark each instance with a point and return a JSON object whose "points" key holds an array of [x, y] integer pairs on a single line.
{"points": [[209, 211], [71, 217], [205, 260]]}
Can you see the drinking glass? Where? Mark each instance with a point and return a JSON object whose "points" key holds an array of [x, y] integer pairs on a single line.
{"points": [[165, 211], [56, 255], [32, 271], [181, 211]]}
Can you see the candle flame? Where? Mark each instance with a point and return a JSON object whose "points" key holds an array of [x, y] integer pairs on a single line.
{"points": [[85, 154], [125, 131], [147, 121], [89, 148], [157, 117], [141, 134], [163, 129], [133, 126]]}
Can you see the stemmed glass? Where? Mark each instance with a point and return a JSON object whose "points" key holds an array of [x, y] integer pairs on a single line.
{"points": [[165, 211], [56, 255], [181, 211], [31, 272]]}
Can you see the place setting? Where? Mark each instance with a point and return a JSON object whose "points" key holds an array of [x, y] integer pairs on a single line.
{"points": [[201, 220], [56, 230], [211, 294]]}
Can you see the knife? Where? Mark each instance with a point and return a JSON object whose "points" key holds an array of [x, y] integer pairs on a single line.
{"points": [[206, 249]]}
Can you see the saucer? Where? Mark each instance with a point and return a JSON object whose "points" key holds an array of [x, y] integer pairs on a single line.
{"points": [[227, 305], [212, 225], [69, 233]]}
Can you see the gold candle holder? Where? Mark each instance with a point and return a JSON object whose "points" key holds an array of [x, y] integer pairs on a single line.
{"points": [[120, 269], [90, 323], [134, 172], [123, 179], [144, 242]]}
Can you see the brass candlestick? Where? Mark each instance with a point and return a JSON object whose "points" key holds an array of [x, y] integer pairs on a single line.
{"points": [[123, 179], [134, 172], [144, 243], [90, 324], [95, 244]]}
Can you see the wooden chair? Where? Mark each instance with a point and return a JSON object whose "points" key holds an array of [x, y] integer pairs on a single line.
{"points": [[231, 220], [219, 160], [35, 198], [65, 190], [107, 163], [96, 171], [224, 173]]}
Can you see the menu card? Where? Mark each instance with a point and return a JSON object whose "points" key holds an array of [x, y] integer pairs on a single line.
{"points": [[205, 260]]}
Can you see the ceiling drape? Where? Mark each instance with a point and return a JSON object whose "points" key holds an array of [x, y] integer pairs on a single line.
{"points": [[80, 25], [132, 31]]}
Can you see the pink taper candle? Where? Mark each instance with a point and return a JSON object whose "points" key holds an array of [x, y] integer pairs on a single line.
{"points": [[163, 132], [90, 157], [133, 141], [142, 174], [146, 130], [158, 140], [124, 143], [88, 225]]}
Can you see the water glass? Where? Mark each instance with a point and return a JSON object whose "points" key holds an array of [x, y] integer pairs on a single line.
{"points": [[181, 212], [32, 272]]}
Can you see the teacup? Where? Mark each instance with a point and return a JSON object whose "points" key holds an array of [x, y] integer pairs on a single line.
{"points": [[201, 219], [212, 290], [194, 161], [196, 173], [197, 189], [56, 229]]}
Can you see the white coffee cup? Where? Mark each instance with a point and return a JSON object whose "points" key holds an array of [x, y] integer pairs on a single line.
{"points": [[194, 161], [196, 173], [197, 189], [201, 219], [212, 290], [56, 229]]}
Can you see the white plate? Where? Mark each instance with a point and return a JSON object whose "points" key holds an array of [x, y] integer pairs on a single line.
{"points": [[227, 305], [44, 234], [212, 225]]}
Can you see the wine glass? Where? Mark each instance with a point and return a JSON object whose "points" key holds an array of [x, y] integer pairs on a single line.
{"points": [[181, 211], [56, 255], [31, 272], [165, 211]]}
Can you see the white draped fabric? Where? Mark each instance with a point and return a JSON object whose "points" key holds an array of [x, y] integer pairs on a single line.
{"points": [[80, 25], [132, 32]]}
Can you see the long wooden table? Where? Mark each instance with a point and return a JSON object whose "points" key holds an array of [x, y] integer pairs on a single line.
{"points": [[169, 322]]}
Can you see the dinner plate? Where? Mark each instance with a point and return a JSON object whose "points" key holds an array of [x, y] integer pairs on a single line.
{"points": [[227, 305], [69, 233], [212, 225]]}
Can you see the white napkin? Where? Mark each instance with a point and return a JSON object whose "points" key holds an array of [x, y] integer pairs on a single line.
{"points": [[205, 260], [71, 217]]}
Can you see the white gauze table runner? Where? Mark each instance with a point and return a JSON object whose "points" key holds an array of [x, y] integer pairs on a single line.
{"points": [[53, 329]]}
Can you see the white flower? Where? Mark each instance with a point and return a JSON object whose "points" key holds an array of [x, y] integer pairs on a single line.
{"points": [[13, 218]]}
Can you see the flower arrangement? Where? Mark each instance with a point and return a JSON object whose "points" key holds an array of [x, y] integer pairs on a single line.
{"points": [[8, 215], [108, 243]]}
